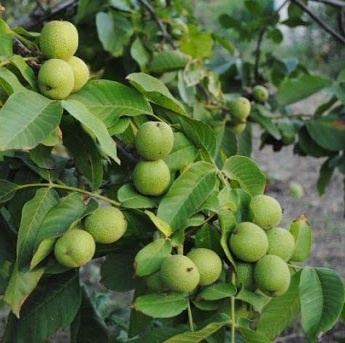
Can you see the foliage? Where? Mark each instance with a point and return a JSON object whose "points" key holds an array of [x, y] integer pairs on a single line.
{"points": [[61, 159]]}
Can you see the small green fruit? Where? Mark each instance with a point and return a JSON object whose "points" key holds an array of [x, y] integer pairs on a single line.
{"points": [[55, 79], [248, 242], [154, 282], [80, 71], [179, 274], [208, 263], [151, 177], [106, 224], [245, 275], [260, 93], [280, 243], [272, 275], [265, 211], [154, 140], [58, 39], [74, 248], [240, 109], [238, 128]]}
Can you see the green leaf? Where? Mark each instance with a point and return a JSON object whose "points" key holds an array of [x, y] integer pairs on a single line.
{"points": [[227, 222], [161, 306], [79, 111], [166, 61], [187, 194], [322, 300], [293, 90], [21, 284], [253, 336], [201, 135], [183, 153], [109, 100], [7, 190], [325, 175], [55, 303], [10, 82], [87, 8], [110, 26], [202, 334], [246, 172], [25, 70], [328, 132], [59, 219], [309, 146], [218, 291], [155, 91], [26, 119], [6, 44], [88, 326], [149, 259], [130, 198], [197, 44], [208, 237], [280, 311], [77, 141], [160, 224], [34, 211], [117, 272]]}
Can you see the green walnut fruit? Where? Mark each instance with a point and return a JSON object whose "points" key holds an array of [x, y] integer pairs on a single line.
{"points": [[58, 39], [265, 211], [240, 109], [154, 140], [74, 248], [80, 71], [248, 242], [179, 273], [245, 275], [208, 263], [106, 224], [272, 275], [154, 282], [280, 243], [151, 177], [238, 128], [55, 79], [260, 93]]}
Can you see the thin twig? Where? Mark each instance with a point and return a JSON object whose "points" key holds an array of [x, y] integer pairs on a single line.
{"points": [[323, 25], [165, 34], [260, 39], [335, 3]]}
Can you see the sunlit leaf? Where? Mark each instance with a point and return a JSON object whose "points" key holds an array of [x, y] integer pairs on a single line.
{"points": [[247, 173], [293, 90], [149, 259], [155, 91], [33, 214], [322, 299], [161, 306], [26, 119], [79, 111], [187, 194], [280, 311]]}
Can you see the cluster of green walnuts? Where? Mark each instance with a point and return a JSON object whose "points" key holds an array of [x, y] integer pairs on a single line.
{"points": [[77, 246], [154, 141], [261, 251], [240, 107], [61, 73]]}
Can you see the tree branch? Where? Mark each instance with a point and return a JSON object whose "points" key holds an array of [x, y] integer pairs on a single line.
{"points": [[323, 25], [260, 39], [335, 3], [165, 34], [40, 15]]}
